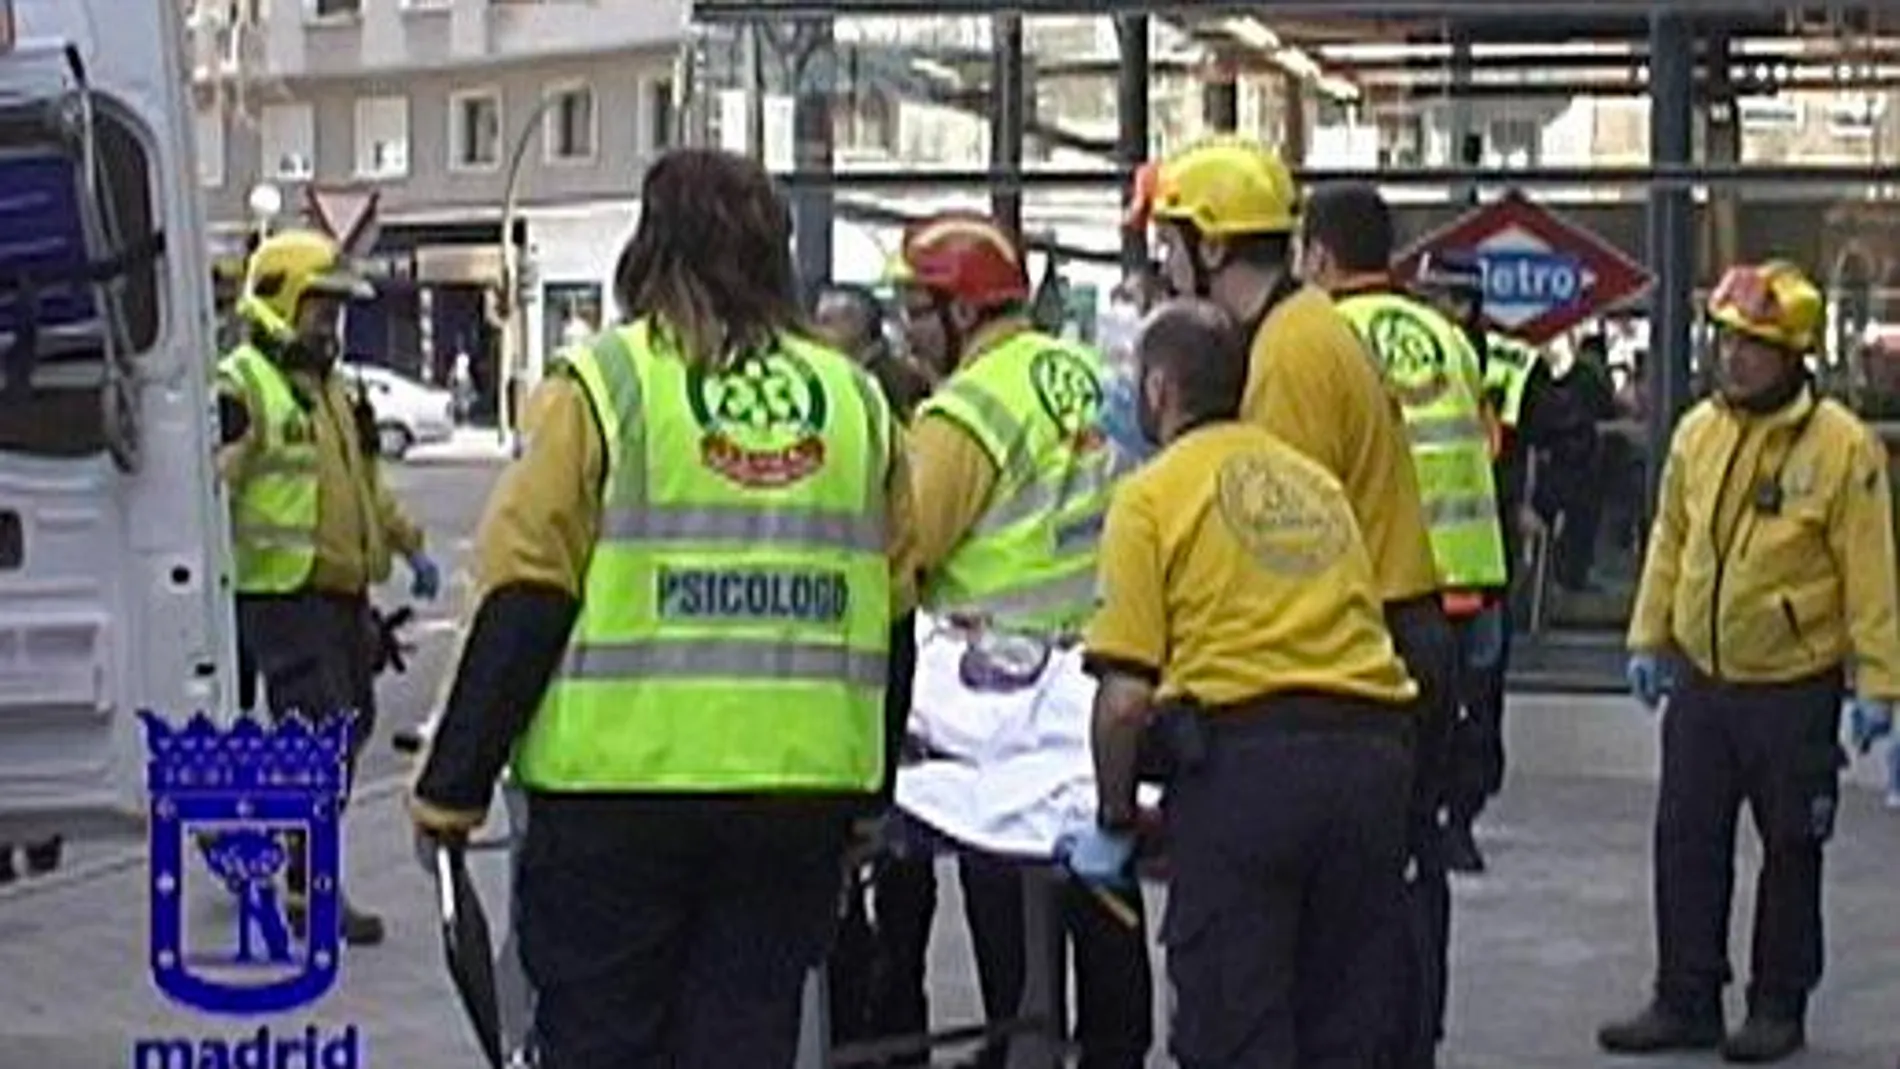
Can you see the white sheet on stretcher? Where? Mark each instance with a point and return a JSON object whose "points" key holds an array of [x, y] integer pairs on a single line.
{"points": [[1015, 771]]}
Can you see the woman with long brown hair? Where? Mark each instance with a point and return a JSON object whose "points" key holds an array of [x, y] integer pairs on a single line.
{"points": [[691, 575]]}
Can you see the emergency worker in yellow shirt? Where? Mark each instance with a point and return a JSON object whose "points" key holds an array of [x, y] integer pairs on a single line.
{"points": [[1227, 215], [1012, 477], [313, 526], [1239, 609], [689, 580], [1768, 580], [1428, 364]]}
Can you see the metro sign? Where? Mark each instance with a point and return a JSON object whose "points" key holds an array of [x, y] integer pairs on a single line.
{"points": [[1542, 274]]}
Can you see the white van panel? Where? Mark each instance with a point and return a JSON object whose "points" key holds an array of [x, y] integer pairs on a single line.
{"points": [[114, 584]]}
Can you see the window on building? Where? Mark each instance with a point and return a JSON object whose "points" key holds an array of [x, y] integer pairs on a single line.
{"points": [[1777, 112], [1514, 141], [382, 137], [210, 147], [1855, 115], [660, 114], [288, 141], [570, 123], [338, 10], [475, 130]]}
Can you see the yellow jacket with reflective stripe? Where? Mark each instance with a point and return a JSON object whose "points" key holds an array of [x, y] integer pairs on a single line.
{"points": [[1752, 595], [736, 611], [274, 507], [1429, 366], [1033, 403]]}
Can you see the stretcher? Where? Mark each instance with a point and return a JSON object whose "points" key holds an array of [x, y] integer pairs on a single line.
{"points": [[1007, 770]]}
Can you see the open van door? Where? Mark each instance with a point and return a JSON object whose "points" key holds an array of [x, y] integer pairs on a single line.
{"points": [[113, 576]]}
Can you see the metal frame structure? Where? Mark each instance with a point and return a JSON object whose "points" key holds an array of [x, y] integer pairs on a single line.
{"points": [[1676, 52]]}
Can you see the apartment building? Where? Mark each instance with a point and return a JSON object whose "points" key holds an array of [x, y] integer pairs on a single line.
{"points": [[425, 103]]}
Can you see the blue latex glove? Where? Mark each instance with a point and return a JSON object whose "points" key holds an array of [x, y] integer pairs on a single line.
{"points": [[426, 578], [1868, 721], [1119, 420], [1097, 856], [1648, 679], [1484, 639]]}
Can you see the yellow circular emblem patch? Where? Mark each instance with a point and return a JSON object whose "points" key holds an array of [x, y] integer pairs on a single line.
{"points": [[1285, 515]]}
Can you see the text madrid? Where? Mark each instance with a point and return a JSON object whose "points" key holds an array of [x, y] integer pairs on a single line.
{"points": [[260, 1050]]}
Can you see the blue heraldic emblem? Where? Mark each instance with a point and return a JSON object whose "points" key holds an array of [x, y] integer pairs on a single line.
{"points": [[246, 796]]}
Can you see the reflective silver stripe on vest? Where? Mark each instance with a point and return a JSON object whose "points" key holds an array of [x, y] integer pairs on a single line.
{"points": [[1445, 430], [877, 479], [727, 523], [278, 462], [621, 376], [272, 536], [998, 419], [1052, 595], [724, 659], [1455, 511], [1041, 497]]}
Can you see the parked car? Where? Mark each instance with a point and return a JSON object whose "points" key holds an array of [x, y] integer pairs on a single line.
{"points": [[408, 412]]}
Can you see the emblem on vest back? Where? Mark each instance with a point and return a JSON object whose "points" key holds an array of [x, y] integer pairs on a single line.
{"points": [[1071, 394], [1410, 350], [762, 419]]}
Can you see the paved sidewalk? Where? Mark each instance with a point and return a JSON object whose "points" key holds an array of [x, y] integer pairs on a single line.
{"points": [[468, 445], [1555, 939]]}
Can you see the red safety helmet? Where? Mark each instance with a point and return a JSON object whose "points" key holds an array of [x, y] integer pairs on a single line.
{"points": [[964, 256]]}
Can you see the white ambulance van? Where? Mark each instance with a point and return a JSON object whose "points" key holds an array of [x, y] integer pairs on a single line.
{"points": [[113, 553]]}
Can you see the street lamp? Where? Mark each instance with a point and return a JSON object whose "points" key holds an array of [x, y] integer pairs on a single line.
{"points": [[510, 298], [266, 203]]}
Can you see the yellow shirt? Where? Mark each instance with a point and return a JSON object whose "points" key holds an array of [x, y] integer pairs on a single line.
{"points": [[1313, 385], [359, 522], [1758, 597], [544, 514], [1231, 568]]}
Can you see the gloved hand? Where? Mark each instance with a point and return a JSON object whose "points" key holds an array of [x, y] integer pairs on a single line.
{"points": [[1648, 679], [426, 578], [1097, 856], [1485, 639], [1868, 721]]}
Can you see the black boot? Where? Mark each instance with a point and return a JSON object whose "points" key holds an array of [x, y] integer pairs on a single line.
{"points": [[1661, 1028], [42, 858], [1764, 1039], [359, 927], [1461, 849], [1774, 1029], [7, 872]]}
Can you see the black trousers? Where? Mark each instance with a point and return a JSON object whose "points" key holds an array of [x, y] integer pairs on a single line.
{"points": [[1476, 774], [1775, 749], [316, 652], [1114, 983], [674, 933], [1427, 644], [1286, 905]]}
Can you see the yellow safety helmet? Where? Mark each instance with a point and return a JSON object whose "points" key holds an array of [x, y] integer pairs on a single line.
{"points": [[1773, 302], [287, 267], [1226, 187]]}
